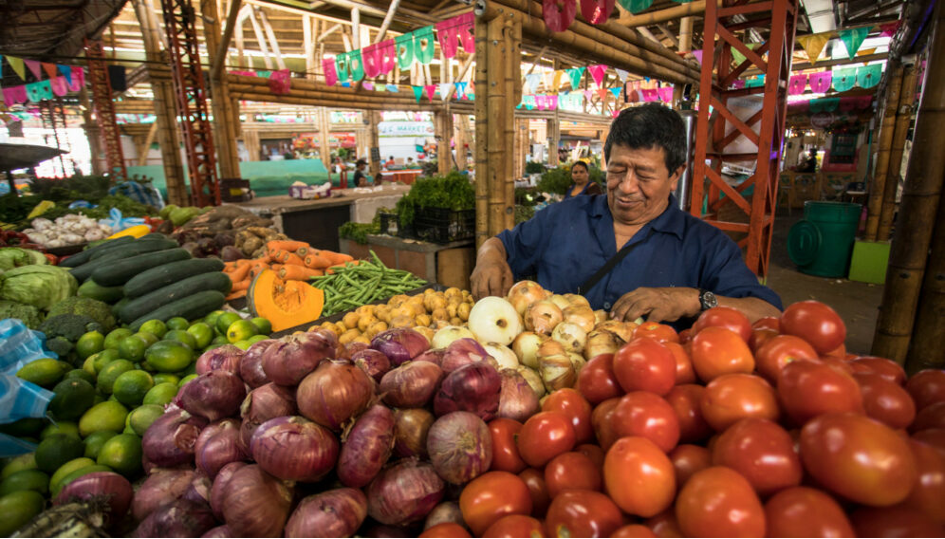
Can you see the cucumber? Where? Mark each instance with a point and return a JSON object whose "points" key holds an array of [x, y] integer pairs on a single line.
{"points": [[191, 308], [161, 276], [117, 273], [82, 257], [138, 247], [116, 308], [153, 236], [141, 306], [108, 294]]}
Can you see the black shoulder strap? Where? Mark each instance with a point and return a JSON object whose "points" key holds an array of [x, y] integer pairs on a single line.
{"points": [[606, 268]]}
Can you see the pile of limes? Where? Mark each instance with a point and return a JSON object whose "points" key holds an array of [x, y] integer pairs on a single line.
{"points": [[100, 411]]}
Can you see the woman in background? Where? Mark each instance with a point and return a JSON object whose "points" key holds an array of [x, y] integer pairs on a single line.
{"points": [[581, 181]]}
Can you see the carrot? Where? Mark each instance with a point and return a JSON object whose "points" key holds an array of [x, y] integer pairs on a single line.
{"points": [[316, 261], [294, 260], [239, 273], [303, 251], [337, 259], [298, 273], [286, 245], [237, 294], [256, 269]]}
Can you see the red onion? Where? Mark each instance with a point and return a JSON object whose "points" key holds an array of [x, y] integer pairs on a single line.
{"points": [[460, 447], [170, 440], [262, 404], [199, 489], [372, 362], [368, 446], [218, 445], [218, 490], [108, 485], [410, 432], [462, 352], [251, 366], [353, 348], [294, 448], [214, 395], [334, 393], [381, 531], [517, 399], [289, 360], [446, 512], [411, 385], [160, 489], [224, 358], [336, 513], [432, 356], [220, 532], [404, 493], [400, 344], [181, 518], [256, 504], [473, 388]]}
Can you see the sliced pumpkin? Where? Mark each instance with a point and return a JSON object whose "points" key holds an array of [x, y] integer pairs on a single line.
{"points": [[285, 304]]}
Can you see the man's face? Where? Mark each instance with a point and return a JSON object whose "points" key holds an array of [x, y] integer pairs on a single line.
{"points": [[638, 184]]}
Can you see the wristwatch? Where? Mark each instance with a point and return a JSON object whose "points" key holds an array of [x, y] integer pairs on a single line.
{"points": [[707, 299]]}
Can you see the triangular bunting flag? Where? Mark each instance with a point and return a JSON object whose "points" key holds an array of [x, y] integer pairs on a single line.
{"points": [[755, 82], [698, 55], [602, 94], [622, 74], [378, 88], [813, 44], [368, 85], [616, 91], [445, 90], [35, 68], [417, 92], [820, 82], [393, 88], [597, 72], [588, 94], [461, 89], [66, 72], [576, 74], [868, 76], [738, 56], [853, 38], [889, 29], [649, 95], [430, 91], [50, 70], [797, 84], [866, 52], [17, 65]]}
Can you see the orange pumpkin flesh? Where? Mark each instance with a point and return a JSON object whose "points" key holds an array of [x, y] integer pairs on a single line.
{"points": [[285, 304]]}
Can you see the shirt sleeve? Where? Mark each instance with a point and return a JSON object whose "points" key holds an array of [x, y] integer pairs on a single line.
{"points": [[594, 189], [525, 244], [726, 274]]}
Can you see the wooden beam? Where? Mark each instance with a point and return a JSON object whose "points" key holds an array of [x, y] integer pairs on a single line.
{"points": [[355, 28], [387, 20], [668, 35], [308, 45], [144, 148], [321, 37], [257, 30], [219, 60], [272, 39], [664, 15], [831, 63]]}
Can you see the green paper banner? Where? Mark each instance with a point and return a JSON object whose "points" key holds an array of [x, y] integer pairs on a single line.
{"points": [[635, 6], [868, 76], [355, 65], [423, 45], [341, 67], [404, 46]]}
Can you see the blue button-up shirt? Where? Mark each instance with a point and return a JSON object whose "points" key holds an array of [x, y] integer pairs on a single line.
{"points": [[566, 243]]}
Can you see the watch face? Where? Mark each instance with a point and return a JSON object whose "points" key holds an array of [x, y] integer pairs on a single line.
{"points": [[708, 300]]}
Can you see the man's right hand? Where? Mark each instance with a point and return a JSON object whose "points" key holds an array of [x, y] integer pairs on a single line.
{"points": [[492, 275]]}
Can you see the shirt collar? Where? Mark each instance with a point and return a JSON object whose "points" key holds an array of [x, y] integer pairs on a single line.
{"points": [[671, 221]]}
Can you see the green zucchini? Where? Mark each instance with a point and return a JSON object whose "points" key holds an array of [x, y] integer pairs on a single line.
{"points": [[138, 307], [116, 308], [108, 294], [191, 308], [139, 247], [117, 273], [161, 276], [82, 257]]}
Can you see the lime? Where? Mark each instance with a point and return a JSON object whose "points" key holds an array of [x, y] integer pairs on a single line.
{"points": [[240, 331], [141, 417], [242, 345], [16, 464], [17, 509], [211, 319], [157, 327], [34, 480], [184, 380], [169, 356], [109, 415], [149, 337], [42, 372], [66, 469], [89, 365], [95, 441], [219, 340], [131, 387], [60, 427], [28, 426], [178, 323], [80, 374], [163, 377], [133, 347], [115, 337], [224, 321], [72, 398], [263, 326], [191, 369], [162, 393], [103, 358], [256, 338], [92, 342], [66, 366], [111, 372], [181, 336], [202, 333], [122, 453], [86, 470], [57, 450]]}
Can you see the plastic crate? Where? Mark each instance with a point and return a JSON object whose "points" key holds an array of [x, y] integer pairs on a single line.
{"points": [[390, 224], [441, 225]]}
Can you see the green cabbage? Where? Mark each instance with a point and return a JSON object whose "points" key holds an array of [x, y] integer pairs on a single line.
{"points": [[14, 257], [39, 286]]}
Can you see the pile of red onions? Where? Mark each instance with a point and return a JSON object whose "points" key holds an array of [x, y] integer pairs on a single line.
{"points": [[462, 352], [225, 358], [400, 344], [289, 360], [251, 366], [294, 449], [214, 395], [334, 393], [411, 385], [474, 387]]}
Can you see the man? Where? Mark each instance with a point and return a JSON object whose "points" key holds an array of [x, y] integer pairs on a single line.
{"points": [[677, 265], [360, 177]]}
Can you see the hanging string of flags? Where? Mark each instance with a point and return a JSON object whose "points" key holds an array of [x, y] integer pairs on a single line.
{"points": [[852, 39], [61, 79], [841, 79]]}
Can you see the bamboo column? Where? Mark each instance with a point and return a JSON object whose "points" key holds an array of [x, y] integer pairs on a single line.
{"points": [[903, 120], [443, 129], [481, 154], [498, 141], [461, 127], [920, 201], [92, 133], [323, 133], [886, 131], [374, 141], [926, 350], [224, 131]]}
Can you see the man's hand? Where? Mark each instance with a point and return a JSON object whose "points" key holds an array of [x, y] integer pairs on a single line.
{"points": [[492, 275], [657, 304]]}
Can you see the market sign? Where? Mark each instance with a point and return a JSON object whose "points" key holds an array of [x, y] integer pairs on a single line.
{"points": [[821, 120], [405, 129]]}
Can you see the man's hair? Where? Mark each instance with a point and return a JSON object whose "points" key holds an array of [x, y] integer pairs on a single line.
{"points": [[360, 162], [650, 126], [580, 164]]}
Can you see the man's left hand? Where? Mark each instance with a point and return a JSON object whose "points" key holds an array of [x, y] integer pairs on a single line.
{"points": [[657, 304]]}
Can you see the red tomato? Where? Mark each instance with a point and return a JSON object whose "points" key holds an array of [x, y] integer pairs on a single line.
{"points": [[571, 470], [858, 458], [659, 332], [633, 530], [597, 382], [446, 529], [808, 389], [927, 387], [505, 457], [894, 522], [839, 353], [490, 497], [688, 459], [535, 481], [602, 421], [888, 369], [816, 323], [933, 437], [732, 397], [931, 417], [544, 436], [515, 526], [719, 502], [724, 317], [778, 352], [639, 476], [717, 351], [806, 512], [758, 338], [573, 405], [886, 401], [665, 524], [768, 322], [928, 495], [763, 452], [648, 415], [685, 374], [593, 452], [685, 336], [645, 365], [582, 513], [686, 401]]}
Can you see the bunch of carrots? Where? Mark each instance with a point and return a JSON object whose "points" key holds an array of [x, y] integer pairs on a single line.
{"points": [[291, 260]]}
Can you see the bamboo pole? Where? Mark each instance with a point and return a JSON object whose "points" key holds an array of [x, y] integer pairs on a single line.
{"points": [[685, 34], [920, 200], [498, 147], [260, 39], [216, 67], [148, 140], [272, 39], [461, 128], [223, 132], [481, 154], [443, 126], [308, 45], [374, 141], [513, 83], [886, 131], [664, 15], [926, 351], [903, 121], [323, 133]]}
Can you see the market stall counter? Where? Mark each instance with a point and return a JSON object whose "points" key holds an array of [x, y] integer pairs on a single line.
{"points": [[448, 264]]}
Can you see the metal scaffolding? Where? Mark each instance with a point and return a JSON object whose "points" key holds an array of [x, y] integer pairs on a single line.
{"points": [[105, 109]]}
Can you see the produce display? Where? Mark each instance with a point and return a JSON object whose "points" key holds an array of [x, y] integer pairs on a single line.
{"points": [[227, 231], [366, 282], [69, 229]]}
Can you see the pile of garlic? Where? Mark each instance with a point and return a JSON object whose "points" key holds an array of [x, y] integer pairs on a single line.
{"points": [[69, 229]]}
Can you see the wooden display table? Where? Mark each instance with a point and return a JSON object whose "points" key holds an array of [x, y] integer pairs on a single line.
{"points": [[448, 264], [403, 176]]}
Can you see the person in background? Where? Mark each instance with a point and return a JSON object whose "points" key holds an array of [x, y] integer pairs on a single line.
{"points": [[809, 164], [581, 181], [390, 163], [360, 176]]}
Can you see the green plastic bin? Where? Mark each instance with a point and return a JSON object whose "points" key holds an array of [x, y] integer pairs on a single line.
{"points": [[822, 242]]}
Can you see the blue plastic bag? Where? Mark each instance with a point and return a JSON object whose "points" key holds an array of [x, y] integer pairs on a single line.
{"points": [[142, 192], [81, 204], [119, 223], [20, 345], [18, 398]]}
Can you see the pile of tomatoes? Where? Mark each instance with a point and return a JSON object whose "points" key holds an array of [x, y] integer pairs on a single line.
{"points": [[727, 429]]}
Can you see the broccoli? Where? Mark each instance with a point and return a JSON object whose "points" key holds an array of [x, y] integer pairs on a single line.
{"points": [[93, 308], [31, 316], [69, 326], [61, 346]]}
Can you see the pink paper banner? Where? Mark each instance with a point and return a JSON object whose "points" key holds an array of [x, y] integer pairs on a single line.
{"points": [[60, 86], [452, 32], [597, 11], [798, 84], [649, 95], [597, 72], [78, 79], [331, 75], [280, 82], [14, 95], [864, 102], [558, 17], [698, 55], [889, 29], [541, 102], [379, 58], [552, 102], [666, 94], [820, 82], [739, 84]]}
